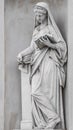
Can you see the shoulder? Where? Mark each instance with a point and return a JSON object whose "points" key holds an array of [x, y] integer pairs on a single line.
{"points": [[49, 29], [53, 33]]}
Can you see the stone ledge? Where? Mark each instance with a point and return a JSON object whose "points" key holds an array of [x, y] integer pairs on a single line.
{"points": [[37, 129]]}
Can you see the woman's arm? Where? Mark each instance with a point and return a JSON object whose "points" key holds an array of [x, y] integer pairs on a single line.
{"points": [[56, 46], [25, 53], [51, 39], [42, 42]]}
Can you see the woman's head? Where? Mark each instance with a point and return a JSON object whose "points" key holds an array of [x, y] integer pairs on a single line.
{"points": [[41, 14]]}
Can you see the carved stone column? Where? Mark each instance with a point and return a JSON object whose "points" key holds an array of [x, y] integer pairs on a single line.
{"points": [[26, 122]]}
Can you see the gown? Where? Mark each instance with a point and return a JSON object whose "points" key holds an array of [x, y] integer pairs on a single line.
{"points": [[48, 80]]}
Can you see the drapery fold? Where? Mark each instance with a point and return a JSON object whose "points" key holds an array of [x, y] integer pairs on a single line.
{"points": [[47, 79]]}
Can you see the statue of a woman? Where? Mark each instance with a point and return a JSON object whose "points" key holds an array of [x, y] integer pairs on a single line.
{"points": [[46, 55]]}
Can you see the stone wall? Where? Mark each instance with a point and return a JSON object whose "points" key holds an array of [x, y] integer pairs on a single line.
{"points": [[69, 91], [2, 76]]}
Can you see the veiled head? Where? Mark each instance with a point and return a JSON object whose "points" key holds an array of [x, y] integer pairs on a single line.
{"points": [[42, 8], [41, 14]]}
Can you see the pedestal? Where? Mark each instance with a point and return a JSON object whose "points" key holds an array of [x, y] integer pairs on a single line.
{"points": [[39, 129], [26, 122]]}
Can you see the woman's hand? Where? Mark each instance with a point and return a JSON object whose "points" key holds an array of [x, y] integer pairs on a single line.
{"points": [[19, 58], [45, 42]]}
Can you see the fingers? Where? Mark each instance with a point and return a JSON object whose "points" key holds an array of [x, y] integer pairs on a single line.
{"points": [[19, 58], [44, 38]]}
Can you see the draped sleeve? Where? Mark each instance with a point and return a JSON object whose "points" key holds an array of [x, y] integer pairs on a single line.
{"points": [[60, 51]]}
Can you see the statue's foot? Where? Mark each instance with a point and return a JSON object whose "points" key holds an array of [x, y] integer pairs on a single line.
{"points": [[52, 124], [41, 127]]}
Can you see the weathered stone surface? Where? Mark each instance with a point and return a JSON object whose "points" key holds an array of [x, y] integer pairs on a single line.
{"points": [[37, 129], [18, 32], [2, 63]]}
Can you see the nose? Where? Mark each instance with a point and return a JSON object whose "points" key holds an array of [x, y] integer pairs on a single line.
{"points": [[38, 16]]}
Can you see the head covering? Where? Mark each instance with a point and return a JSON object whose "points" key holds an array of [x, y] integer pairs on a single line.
{"points": [[50, 17], [39, 9], [43, 5]]}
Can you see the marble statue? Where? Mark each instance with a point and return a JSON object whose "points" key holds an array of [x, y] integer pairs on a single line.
{"points": [[46, 55]]}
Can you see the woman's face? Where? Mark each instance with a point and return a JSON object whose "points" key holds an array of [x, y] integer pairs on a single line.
{"points": [[40, 15]]}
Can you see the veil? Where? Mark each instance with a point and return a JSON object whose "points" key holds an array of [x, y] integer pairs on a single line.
{"points": [[53, 23], [63, 46]]}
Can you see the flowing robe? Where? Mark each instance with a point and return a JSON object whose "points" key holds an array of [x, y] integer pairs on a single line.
{"points": [[47, 80]]}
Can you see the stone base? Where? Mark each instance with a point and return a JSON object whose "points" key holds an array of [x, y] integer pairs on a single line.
{"points": [[26, 124], [37, 129]]}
